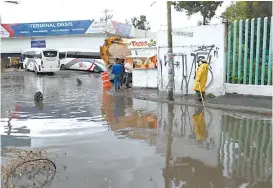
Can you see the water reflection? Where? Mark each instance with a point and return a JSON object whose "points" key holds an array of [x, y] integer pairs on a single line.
{"points": [[203, 147], [246, 149], [120, 113], [242, 154], [9, 139]]}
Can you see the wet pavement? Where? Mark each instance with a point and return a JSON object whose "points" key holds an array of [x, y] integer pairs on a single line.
{"points": [[114, 141], [231, 102]]}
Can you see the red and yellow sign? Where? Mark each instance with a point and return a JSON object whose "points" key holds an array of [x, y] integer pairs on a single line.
{"points": [[141, 43]]}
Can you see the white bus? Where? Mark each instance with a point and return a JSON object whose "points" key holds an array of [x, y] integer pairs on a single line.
{"points": [[81, 59], [41, 60]]}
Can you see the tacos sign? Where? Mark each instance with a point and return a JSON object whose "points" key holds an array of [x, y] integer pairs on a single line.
{"points": [[141, 43]]}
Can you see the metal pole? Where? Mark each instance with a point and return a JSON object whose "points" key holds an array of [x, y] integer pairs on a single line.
{"points": [[170, 52]]}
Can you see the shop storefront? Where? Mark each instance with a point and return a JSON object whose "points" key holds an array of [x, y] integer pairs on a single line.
{"points": [[144, 62]]}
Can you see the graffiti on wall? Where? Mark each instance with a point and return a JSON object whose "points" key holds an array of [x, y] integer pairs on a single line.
{"points": [[181, 62], [205, 52]]}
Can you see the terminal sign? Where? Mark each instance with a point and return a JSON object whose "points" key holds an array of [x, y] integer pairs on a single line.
{"points": [[76, 27]]}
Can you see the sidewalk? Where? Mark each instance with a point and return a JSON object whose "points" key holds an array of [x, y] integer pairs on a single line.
{"points": [[231, 102]]}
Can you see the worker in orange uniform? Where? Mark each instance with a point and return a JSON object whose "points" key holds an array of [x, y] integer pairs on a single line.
{"points": [[201, 79]]}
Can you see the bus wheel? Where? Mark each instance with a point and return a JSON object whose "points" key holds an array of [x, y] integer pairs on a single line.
{"points": [[35, 68], [62, 67]]}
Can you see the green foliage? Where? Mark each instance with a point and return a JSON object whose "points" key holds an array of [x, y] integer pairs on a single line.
{"points": [[211, 95], [247, 9], [239, 80], [206, 8], [140, 22]]}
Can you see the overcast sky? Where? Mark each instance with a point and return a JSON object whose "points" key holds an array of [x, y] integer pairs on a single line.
{"points": [[64, 10]]}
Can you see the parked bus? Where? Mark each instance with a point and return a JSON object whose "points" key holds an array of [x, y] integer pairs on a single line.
{"points": [[41, 60], [81, 59]]}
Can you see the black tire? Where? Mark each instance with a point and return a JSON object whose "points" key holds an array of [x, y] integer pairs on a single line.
{"points": [[124, 79], [36, 71], [62, 67]]}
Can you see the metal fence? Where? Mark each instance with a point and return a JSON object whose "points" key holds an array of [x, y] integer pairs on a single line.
{"points": [[249, 55]]}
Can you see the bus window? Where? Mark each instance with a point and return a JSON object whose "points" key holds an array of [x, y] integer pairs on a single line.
{"points": [[29, 54], [85, 55], [38, 56], [88, 55], [62, 55], [70, 55], [50, 53]]}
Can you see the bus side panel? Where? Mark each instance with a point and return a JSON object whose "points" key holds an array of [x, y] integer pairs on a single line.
{"points": [[66, 61], [81, 64]]}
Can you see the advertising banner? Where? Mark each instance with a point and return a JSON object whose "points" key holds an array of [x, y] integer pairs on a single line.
{"points": [[38, 44], [46, 28], [119, 28], [141, 43], [97, 27]]}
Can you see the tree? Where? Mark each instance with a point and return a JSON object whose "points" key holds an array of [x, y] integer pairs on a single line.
{"points": [[247, 9], [206, 8], [140, 22]]}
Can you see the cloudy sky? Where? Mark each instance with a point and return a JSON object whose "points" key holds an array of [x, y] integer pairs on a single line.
{"points": [[64, 10]]}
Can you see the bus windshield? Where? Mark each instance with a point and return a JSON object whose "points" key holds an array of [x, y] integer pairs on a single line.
{"points": [[50, 53]]}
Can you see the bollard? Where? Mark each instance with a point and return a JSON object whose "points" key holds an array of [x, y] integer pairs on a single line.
{"points": [[105, 80]]}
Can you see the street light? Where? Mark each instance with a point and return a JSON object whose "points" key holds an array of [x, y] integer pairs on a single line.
{"points": [[13, 2]]}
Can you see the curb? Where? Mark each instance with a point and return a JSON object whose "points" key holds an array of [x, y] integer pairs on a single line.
{"points": [[260, 111]]}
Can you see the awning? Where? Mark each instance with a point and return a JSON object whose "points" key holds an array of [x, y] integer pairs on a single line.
{"points": [[140, 56], [6, 55]]}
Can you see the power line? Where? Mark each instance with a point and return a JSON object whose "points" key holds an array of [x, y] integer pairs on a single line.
{"points": [[13, 2], [153, 3]]}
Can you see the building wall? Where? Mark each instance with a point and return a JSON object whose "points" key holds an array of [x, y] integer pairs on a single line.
{"points": [[144, 78], [244, 89], [15, 45], [191, 41], [138, 33]]}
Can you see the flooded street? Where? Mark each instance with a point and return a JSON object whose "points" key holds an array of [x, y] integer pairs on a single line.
{"points": [[107, 141]]}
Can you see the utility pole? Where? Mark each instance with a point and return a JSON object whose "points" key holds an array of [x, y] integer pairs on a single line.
{"points": [[106, 17], [170, 84], [170, 52]]}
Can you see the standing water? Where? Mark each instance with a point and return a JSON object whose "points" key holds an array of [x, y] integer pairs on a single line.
{"points": [[104, 140]]}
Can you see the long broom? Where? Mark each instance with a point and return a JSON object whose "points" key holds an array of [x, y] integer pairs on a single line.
{"points": [[201, 95]]}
